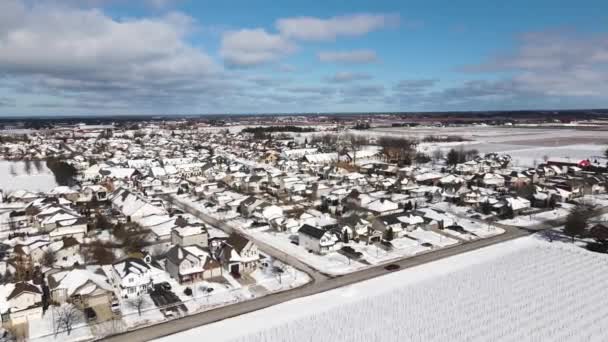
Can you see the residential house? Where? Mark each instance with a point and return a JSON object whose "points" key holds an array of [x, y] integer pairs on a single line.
{"points": [[21, 303], [133, 276], [84, 287], [191, 263], [317, 240], [239, 255], [187, 234]]}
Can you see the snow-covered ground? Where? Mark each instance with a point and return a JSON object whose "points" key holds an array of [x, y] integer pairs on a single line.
{"points": [[335, 263], [331, 263], [225, 292], [527, 146], [19, 179], [528, 220], [523, 290]]}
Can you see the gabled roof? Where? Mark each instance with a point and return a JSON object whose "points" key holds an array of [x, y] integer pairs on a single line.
{"points": [[131, 265], [176, 254], [22, 287], [311, 231], [238, 242]]}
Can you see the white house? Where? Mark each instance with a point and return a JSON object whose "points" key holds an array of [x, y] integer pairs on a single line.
{"points": [[239, 255], [316, 240], [21, 302], [133, 276]]}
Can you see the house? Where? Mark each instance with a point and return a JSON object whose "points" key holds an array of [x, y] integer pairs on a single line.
{"points": [[239, 255], [191, 263], [83, 287], [132, 276], [317, 240], [31, 250], [133, 205], [492, 180], [400, 223], [66, 252], [382, 206], [93, 193], [21, 303], [187, 234], [518, 204]]}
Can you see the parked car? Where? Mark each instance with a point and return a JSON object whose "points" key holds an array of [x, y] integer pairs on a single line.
{"points": [[392, 267], [90, 314]]}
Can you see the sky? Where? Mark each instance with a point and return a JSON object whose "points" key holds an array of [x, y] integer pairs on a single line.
{"points": [[87, 57]]}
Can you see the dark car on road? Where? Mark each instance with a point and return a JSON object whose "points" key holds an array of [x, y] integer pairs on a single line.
{"points": [[392, 267]]}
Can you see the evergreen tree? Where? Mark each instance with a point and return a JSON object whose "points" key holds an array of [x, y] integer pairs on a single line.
{"points": [[345, 236], [389, 235], [576, 222], [452, 157]]}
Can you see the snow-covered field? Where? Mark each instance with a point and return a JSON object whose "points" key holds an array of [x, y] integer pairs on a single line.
{"points": [[523, 290], [21, 180], [525, 145]]}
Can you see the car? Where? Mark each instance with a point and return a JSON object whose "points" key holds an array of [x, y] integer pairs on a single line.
{"points": [[164, 286], [392, 267], [115, 306], [90, 314]]}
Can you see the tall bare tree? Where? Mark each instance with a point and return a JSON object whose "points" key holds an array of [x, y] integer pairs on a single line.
{"points": [[137, 303], [66, 317], [356, 142]]}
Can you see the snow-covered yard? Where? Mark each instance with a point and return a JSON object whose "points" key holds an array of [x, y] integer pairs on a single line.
{"points": [[331, 263], [528, 220], [14, 177], [207, 295], [523, 290]]}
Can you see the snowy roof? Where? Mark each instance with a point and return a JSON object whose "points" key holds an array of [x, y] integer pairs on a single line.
{"points": [[79, 281], [131, 265], [382, 205]]}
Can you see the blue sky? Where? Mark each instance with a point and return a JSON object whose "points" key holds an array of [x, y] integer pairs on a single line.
{"points": [[188, 57]]}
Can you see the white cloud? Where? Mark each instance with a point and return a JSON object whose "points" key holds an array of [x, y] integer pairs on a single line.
{"points": [[555, 63], [249, 47], [155, 4], [354, 56], [316, 29], [64, 52], [414, 86], [346, 76]]}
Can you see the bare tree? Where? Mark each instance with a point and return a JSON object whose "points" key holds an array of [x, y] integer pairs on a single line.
{"points": [[356, 142], [398, 149], [27, 166], [437, 155], [38, 165], [66, 317], [137, 303]]}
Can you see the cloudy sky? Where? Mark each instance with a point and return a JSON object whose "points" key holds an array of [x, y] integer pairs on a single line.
{"points": [[246, 56]]}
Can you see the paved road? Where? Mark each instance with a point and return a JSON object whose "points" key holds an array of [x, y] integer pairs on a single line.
{"points": [[320, 283]]}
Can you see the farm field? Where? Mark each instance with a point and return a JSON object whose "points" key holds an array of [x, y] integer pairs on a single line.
{"points": [[525, 145], [523, 290]]}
